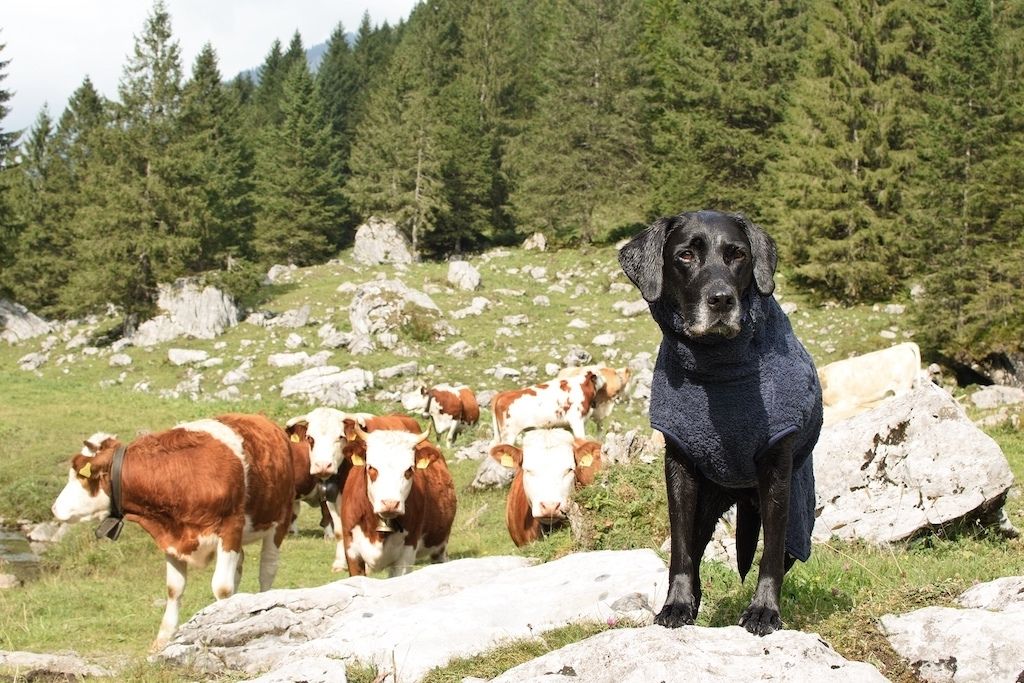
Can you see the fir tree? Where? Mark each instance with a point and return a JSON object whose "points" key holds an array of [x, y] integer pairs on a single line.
{"points": [[270, 83], [583, 150], [8, 229], [300, 207]]}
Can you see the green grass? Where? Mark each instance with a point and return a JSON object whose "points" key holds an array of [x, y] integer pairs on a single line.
{"points": [[104, 599]]}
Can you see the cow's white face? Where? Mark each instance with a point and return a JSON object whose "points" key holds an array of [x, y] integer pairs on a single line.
{"points": [[549, 472], [82, 497], [390, 462], [325, 432]]}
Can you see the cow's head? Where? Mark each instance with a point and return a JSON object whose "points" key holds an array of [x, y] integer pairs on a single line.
{"points": [[552, 462], [324, 430], [390, 458], [83, 497]]}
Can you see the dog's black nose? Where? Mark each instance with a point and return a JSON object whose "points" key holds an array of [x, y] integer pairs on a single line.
{"points": [[721, 300]]}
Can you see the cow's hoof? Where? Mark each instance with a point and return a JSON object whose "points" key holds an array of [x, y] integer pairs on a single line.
{"points": [[761, 620], [675, 615]]}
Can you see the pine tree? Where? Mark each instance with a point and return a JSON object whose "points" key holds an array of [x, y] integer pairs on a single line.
{"points": [[838, 180], [300, 207], [396, 161], [128, 229], [270, 82], [722, 72], [8, 228], [213, 170], [965, 208], [582, 153]]}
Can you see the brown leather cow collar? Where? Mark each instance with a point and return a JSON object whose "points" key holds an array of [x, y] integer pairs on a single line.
{"points": [[112, 525]]}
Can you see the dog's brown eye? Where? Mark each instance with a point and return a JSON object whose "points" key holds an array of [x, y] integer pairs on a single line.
{"points": [[685, 256]]}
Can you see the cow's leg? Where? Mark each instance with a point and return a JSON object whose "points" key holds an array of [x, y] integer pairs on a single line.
{"points": [[223, 582], [268, 561], [238, 569], [773, 476], [576, 424], [177, 571], [406, 559], [296, 508]]}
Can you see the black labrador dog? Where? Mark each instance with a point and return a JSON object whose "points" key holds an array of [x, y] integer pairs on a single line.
{"points": [[736, 396]]}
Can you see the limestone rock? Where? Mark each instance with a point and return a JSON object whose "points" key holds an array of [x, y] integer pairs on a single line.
{"points": [[120, 360], [535, 242], [328, 385], [982, 642], [492, 475], [186, 356], [400, 370], [410, 624], [381, 307], [188, 311], [462, 275], [476, 307], [379, 241], [692, 653], [32, 666], [913, 464], [996, 395], [17, 323]]}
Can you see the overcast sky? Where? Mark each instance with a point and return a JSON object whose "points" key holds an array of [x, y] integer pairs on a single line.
{"points": [[53, 44]]}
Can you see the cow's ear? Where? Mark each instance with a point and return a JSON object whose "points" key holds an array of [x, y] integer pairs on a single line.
{"points": [[91, 447], [763, 254], [426, 454], [296, 430], [597, 379], [587, 453], [348, 428], [83, 466], [355, 451], [508, 455], [642, 258]]}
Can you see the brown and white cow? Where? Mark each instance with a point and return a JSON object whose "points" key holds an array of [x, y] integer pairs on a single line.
{"points": [[549, 466], [449, 408], [398, 501], [616, 380], [326, 431], [565, 402], [856, 384], [312, 490], [202, 489]]}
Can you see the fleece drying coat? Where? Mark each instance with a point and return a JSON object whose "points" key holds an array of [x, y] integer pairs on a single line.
{"points": [[724, 402]]}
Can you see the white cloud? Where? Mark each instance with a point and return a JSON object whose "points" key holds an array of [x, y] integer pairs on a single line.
{"points": [[53, 44]]}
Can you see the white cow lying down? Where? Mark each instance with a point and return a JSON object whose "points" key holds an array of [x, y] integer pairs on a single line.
{"points": [[853, 385]]}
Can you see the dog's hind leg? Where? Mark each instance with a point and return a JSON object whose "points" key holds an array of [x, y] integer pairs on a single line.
{"points": [[773, 476]]}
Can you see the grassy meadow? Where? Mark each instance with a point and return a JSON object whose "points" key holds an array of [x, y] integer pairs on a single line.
{"points": [[104, 600]]}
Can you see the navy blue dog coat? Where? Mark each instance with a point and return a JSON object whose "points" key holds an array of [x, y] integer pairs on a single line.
{"points": [[724, 402]]}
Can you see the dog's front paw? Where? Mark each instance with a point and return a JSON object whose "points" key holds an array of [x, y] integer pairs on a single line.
{"points": [[761, 620], [676, 614]]}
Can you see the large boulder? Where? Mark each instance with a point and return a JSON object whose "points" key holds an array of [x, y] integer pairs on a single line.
{"points": [[188, 311], [380, 308], [693, 653], [410, 624], [32, 666], [914, 464], [379, 241], [981, 641], [462, 275], [328, 385], [17, 323]]}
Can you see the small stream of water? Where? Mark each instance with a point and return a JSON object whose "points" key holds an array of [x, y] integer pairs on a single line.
{"points": [[16, 556]]}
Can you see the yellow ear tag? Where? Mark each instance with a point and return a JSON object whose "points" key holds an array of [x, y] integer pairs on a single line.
{"points": [[86, 471], [295, 438], [507, 460], [422, 463], [587, 460], [358, 461]]}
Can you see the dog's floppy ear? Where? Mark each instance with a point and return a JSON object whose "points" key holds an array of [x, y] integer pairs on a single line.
{"points": [[642, 258], [763, 253]]}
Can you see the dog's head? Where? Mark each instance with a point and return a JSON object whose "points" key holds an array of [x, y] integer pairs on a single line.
{"points": [[702, 265]]}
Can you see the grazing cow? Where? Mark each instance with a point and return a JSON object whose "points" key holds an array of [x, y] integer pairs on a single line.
{"points": [[548, 467], [615, 382], [449, 408], [853, 385], [326, 432], [565, 402], [312, 490], [398, 501], [201, 489]]}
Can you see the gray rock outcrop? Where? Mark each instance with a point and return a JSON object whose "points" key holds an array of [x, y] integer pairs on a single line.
{"points": [[693, 653], [379, 241], [32, 666], [382, 307], [462, 275], [491, 474], [410, 624], [188, 311], [17, 323], [982, 641], [328, 385], [914, 464]]}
